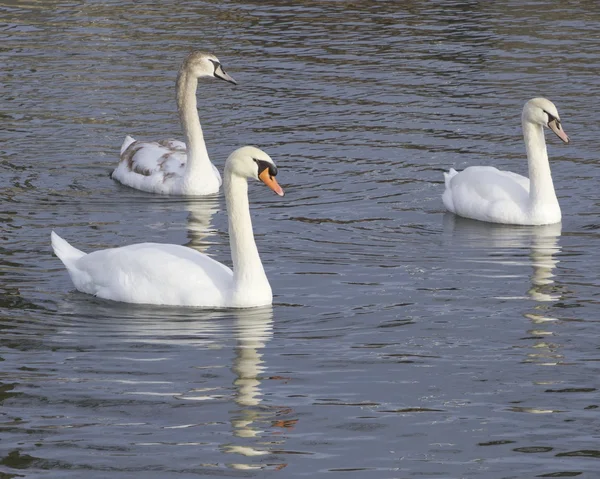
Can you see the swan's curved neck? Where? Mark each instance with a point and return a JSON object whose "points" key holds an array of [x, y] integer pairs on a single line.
{"points": [[248, 273], [198, 162], [541, 187]]}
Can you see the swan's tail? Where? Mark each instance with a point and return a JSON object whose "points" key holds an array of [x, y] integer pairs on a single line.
{"points": [[128, 141], [67, 254], [448, 176]]}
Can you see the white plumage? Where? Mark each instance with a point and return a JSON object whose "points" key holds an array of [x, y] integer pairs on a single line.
{"points": [[168, 274], [150, 273], [485, 193]]}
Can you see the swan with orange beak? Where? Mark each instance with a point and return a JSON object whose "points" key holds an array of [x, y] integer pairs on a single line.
{"points": [[169, 274]]}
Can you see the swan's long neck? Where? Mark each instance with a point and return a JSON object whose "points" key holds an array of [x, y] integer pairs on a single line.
{"points": [[248, 274], [541, 187], [198, 162]]}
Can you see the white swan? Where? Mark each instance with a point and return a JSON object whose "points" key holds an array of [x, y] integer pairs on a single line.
{"points": [[169, 274], [167, 166], [485, 193]]}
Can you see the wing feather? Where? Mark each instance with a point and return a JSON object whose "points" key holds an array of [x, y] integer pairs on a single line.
{"points": [[154, 273], [158, 167], [487, 194]]}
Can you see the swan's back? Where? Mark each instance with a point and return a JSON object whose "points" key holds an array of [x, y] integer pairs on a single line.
{"points": [[487, 194], [159, 167], [152, 273]]}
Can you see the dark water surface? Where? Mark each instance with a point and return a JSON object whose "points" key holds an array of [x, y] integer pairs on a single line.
{"points": [[402, 342]]}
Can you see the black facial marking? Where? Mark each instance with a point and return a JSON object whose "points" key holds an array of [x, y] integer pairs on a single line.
{"points": [[552, 118], [219, 72], [215, 63], [263, 165]]}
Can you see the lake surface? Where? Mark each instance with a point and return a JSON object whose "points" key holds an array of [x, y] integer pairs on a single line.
{"points": [[403, 342]]}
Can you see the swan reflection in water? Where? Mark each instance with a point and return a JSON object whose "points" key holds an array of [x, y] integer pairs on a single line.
{"points": [[254, 328], [543, 244], [544, 247], [257, 431], [199, 222]]}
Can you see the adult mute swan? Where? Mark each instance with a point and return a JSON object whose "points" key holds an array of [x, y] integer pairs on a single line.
{"points": [[485, 193], [168, 166], [154, 273]]}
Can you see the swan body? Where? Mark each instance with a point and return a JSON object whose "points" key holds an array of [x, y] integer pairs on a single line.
{"points": [[171, 166], [485, 193], [168, 274]]}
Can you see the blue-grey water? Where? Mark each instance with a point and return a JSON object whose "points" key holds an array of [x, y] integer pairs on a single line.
{"points": [[402, 343]]}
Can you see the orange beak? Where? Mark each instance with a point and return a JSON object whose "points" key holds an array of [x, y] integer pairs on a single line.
{"points": [[270, 181]]}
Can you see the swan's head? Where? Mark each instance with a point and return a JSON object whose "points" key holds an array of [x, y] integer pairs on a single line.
{"points": [[252, 162], [202, 64], [543, 112]]}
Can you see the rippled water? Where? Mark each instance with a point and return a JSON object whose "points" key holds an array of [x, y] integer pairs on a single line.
{"points": [[403, 342]]}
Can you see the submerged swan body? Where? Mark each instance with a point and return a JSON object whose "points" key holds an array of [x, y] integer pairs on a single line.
{"points": [[169, 166], [485, 193], [168, 274]]}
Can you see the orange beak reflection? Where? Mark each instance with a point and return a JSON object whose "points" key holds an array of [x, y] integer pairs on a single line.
{"points": [[270, 181]]}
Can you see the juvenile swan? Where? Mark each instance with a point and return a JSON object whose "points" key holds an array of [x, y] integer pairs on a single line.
{"points": [[167, 166], [485, 193], [169, 274]]}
